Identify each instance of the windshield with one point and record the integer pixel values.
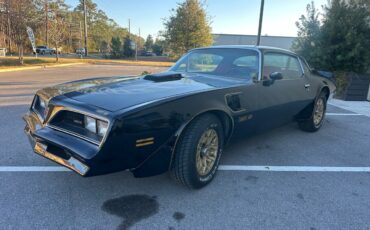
(227, 62)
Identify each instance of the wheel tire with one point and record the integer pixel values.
(316, 119)
(184, 167)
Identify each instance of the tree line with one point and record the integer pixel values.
(338, 42)
(58, 25)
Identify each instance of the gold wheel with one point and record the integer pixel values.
(207, 150)
(319, 112)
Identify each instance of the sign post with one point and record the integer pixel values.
(31, 36)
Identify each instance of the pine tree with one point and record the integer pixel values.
(159, 46)
(308, 42)
(128, 51)
(346, 36)
(116, 45)
(188, 28)
(149, 43)
(341, 43)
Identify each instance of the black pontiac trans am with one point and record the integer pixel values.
(177, 121)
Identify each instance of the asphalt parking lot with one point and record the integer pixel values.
(281, 179)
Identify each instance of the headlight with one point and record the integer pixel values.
(90, 124)
(102, 127)
(42, 103)
(96, 126)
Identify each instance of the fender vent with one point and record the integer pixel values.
(161, 77)
(233, 101)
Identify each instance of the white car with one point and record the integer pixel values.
(80, 51)
(45, 50)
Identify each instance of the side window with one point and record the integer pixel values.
(294, 69)
(250, 61)
(306, 68)
(245, 66)
(287, 65)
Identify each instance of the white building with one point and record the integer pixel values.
(235, 39)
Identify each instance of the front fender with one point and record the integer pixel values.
(162, 125)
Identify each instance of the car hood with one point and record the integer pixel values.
(117, 93)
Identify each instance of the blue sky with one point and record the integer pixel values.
(227, 16)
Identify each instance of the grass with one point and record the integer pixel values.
(13, 62)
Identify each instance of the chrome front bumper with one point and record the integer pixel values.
(40, 146)
(71, 163)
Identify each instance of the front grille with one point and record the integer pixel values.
(74, 123)
(69, 118)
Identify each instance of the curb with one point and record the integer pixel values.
(38, 67)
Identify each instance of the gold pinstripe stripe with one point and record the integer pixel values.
(145, 140)
(145, 144)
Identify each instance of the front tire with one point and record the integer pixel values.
(198, 152)
(316, 119)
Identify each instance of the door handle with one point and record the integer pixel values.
(307, 86)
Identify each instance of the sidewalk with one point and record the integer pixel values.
(360, 107)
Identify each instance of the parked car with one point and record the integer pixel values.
(45, 50)
(149, 54)
(2, 52)
(179, 120)
(80, 51)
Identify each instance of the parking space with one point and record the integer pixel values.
(344, 141)
(237, 199)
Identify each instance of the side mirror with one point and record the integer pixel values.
(276, 76)
(272, 78)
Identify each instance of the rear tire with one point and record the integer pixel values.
(198, 152)
(316, 119)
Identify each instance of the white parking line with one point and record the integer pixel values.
(293, 168)
(33, 169)
(221, 167)
(343, 114)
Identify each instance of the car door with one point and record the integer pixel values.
(283, 91)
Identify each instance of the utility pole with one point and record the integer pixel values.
(9, 29)
(85, 26)
(70, 35)
(46, 22)
(80, 42)
(260, 23)
(129, 28)
(137, 45)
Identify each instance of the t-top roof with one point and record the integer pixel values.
(248, 47)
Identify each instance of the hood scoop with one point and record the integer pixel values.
(162, 77)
